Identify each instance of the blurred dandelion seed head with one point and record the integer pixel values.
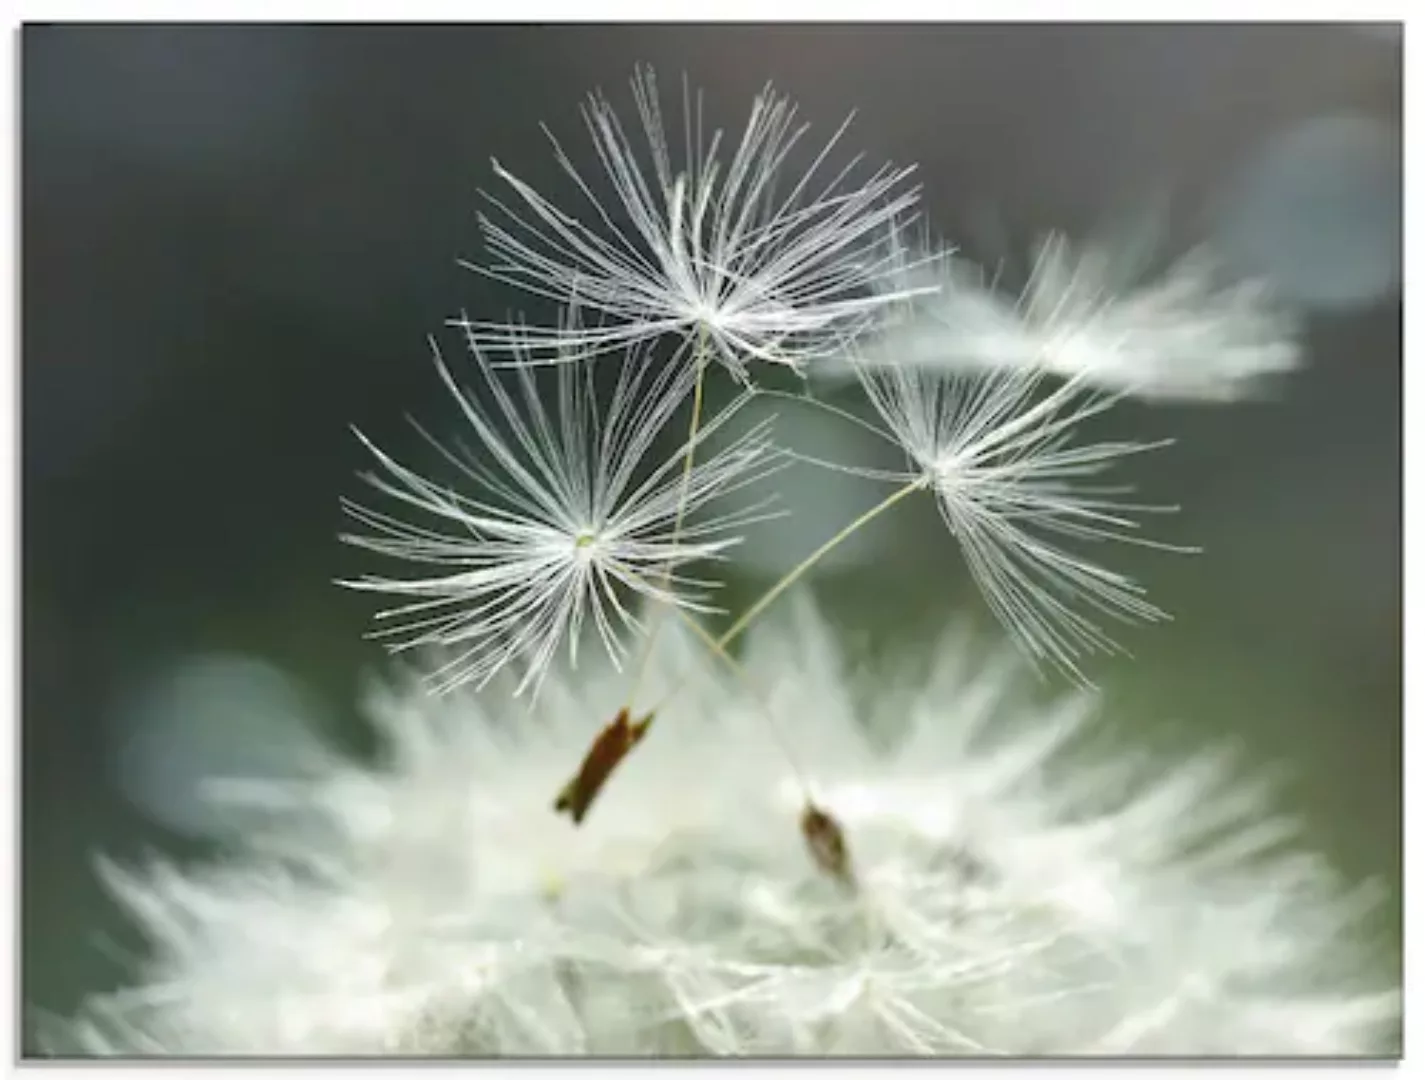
(1022, 890)
(1094, 312)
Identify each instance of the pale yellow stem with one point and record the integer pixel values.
(658, 614)
(745, 620)
(719, 645)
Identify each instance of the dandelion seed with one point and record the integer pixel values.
(1190, 334)
(826, 841)
(712, 252)
(999, 457)
(564, 521)
(1118, 906)
(609, 748)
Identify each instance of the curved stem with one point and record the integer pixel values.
(719, 645)
(811, 560)
(693, 425)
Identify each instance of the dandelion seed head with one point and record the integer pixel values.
(560, 515)
(1016, 485)
(732, 252)
(1192, 332)
(1020, 890)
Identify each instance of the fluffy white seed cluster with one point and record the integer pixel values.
(738, 255)
(1020, 888)
(1193, 332)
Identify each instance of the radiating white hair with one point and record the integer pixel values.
(566, 515)
(1019, 889)
(733, 256)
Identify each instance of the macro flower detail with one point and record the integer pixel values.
(1188, 334)
(727, 255)
(594, 821)
(564, 520)
(998, 452)
(1019, 889)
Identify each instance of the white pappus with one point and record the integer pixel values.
(1022, 889)
(562, 518)
(730, 255)
(1089, 311)
(1002, 454)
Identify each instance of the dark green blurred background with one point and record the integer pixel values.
(235, 240)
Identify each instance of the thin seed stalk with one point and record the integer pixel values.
(719, 645)
(700, 359)
(622, 734)
(795, 574)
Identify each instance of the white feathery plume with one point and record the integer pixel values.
(1189, 334)
(721, 254)
(1019, 890)
(999, 455)
(562, 522)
